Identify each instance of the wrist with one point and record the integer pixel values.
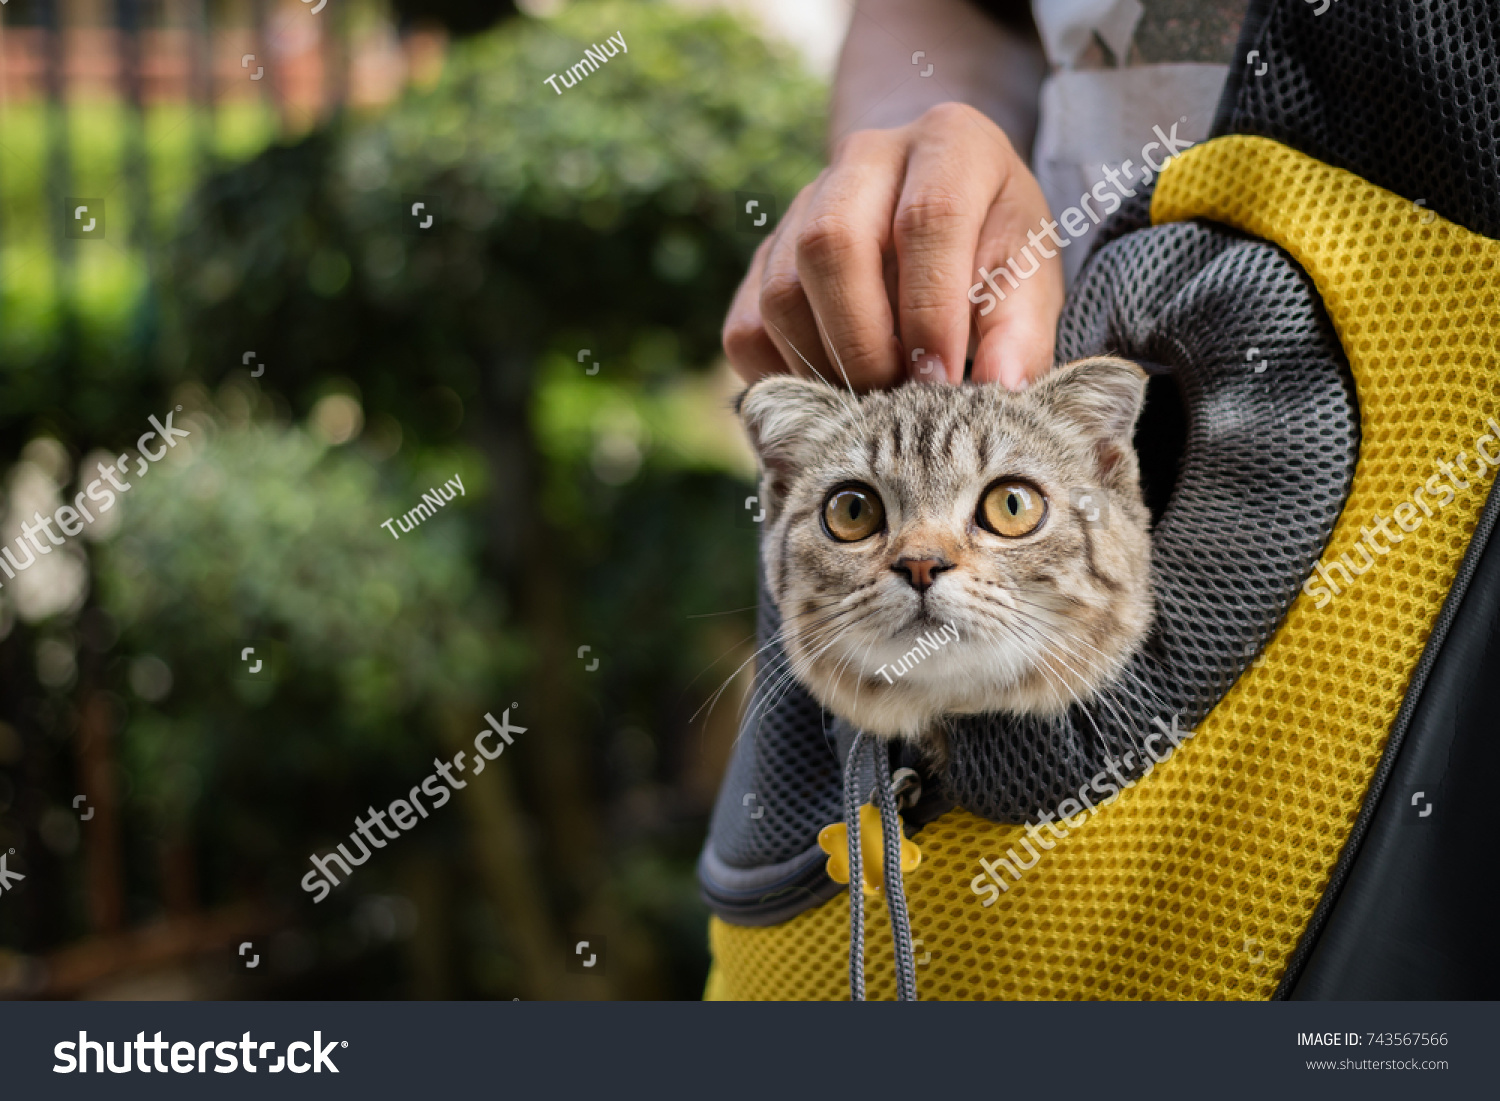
(969, 59)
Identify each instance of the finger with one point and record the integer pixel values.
(839, 254)
(750, 350)
(1020, 294)
(958, 163)
(784, 307)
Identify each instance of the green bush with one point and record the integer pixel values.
(599, 219)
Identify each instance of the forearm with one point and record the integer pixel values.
(974, 60)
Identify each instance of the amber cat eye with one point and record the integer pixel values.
(852, 513)
(1012, 508)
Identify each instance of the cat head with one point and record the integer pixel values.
(948, 549)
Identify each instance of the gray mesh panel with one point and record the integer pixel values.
(1268, 463)
(783, 760)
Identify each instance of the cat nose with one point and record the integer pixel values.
(921, 572)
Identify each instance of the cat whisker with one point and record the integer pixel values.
(713, 700)
(720, 658)
(769, 681)
(1104, 696)
(1054, 677)
(1040, 632)
(859, 680)
(784, 661)
(853, 397)
(729, 611)
(823, 332)
(788, 679)
(835, 634)
(1141, 692)
(1124, 668)
(1036, 630)
(1082, 706)
(776, 638)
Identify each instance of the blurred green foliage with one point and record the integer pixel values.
(601, 510)
(600, 218)
(375, 637)
(79, 318)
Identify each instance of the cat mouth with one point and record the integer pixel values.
(921, 619)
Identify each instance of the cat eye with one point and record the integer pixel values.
(1012, 508)
(852, 513)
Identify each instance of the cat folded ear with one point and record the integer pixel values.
(782, 415)
(1103, 396)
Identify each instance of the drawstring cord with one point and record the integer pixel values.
(895, 889)
(895, 892)
(852, 804)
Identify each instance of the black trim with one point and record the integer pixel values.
(1409, 910)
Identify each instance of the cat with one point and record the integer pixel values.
(937, 549)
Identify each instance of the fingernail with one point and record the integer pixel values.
(1013, 377)
(927, 366)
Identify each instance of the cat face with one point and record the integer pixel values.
(945, 549)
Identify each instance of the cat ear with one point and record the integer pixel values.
(781, 415)
(1103, 395)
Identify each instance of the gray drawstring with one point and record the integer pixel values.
(852, 803)
(895, 892)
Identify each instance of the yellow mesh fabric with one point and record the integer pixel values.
(1198, 882)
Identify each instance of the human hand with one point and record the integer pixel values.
(882, 249)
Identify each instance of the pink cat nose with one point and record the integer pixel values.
(921, 572)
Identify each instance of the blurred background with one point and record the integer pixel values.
(551, 337)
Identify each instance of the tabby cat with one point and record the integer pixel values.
(941, 549)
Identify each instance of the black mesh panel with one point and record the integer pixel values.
(1404, 93)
